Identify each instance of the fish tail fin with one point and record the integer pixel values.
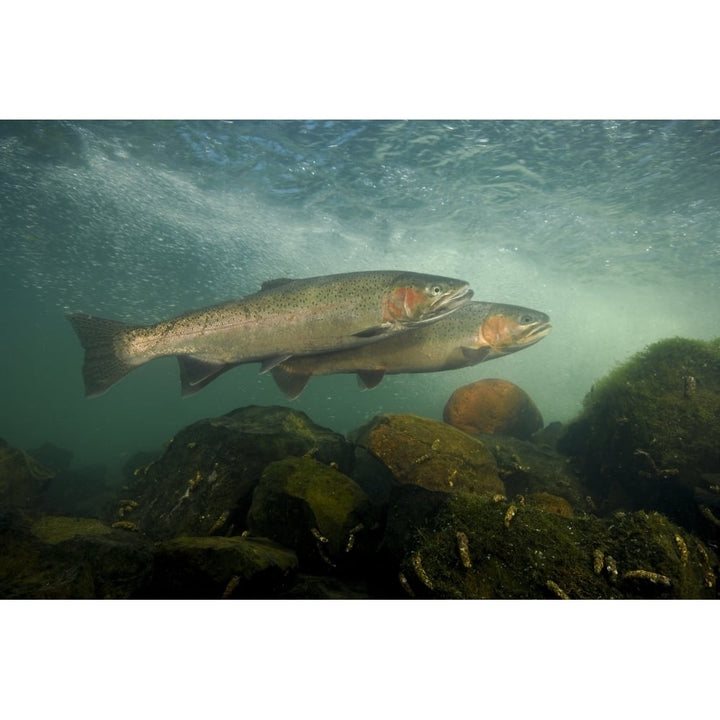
(102, 366)
(290, 383)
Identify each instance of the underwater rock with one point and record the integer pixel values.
(493, 407)
(475, 547)
(221, 567)
(52, 456)
(80, 492)
(22, 478)
(72, 558)
(550, 503)
(648, 434)
(430, 454)
(203, 483)
(527, 467)
(314, 509)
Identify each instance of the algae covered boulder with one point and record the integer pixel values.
(203, 483)
(648, 434)
(528, 468)
(314, 509)
(494, 407)
(22, 477)
(221, 567)
(475, 547)
(71, 558)
(430, 454)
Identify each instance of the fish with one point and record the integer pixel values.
(476, 332)
(285, 318)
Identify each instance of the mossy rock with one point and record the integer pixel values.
(73, 558)
(475, 547)
(203, 483)
(313, 508)
(221, 567)
(22, 478)
(528, 467)
(647, 436)
(431, 454)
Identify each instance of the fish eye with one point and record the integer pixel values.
(526, 319)
(435, 290)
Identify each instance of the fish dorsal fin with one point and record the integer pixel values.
(269, 363)
(277, 282)
(196, 374)
(475, 355)
(291, 384)
(368, 379)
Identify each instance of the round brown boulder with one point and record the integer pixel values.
(493, 407)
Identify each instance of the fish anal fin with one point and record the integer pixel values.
(290, 383)
(196, 374)
(368, 379)
(269, 363)
(476, 355)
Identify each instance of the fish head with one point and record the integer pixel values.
(509, 328)
(414, 299)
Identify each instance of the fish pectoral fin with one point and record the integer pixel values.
(269, 363)
(374, 331)
(475, 355)
(368, 379)
(196, 374)
(290, 383)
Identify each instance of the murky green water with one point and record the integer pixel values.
(613, 228)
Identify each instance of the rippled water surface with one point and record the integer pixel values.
(613, 228)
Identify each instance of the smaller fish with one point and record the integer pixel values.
(474, 333)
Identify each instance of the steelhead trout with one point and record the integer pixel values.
(285, 318)
(477, 332)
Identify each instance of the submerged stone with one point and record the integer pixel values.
(474, 547)
(221, 567)
(314, 509)
(430, 454)
(22, 477)
(72, 558)
(203, 483)
(528, 467)
(493, 407)
(648, 434)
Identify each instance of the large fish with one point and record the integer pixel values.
(476, 332)
(285, 318)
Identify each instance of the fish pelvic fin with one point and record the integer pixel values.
(196, 374)
(368, 379)
(475, 355)
(102, 367)
(292, 384)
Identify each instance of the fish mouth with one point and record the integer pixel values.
(445, 304)
(533, 335)
(537, 333)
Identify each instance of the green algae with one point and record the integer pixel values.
(517, 551)
(57, 529)
(297, 496)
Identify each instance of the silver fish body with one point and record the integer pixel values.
(284, 319)
(476, 332)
